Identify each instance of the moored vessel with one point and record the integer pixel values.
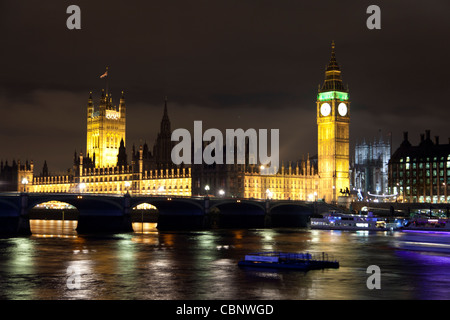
(342, 221)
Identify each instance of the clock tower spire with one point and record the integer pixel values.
(333, 124)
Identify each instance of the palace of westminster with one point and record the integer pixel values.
(106, 168)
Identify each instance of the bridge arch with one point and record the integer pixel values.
(11, 220)
(167, 203)
(175, 213)
(237, 203)
(9, 207)
(82, 202)
(290, 215)
(54, 210)
(97, 213)
(142, 214)
(236, 213)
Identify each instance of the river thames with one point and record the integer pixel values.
(55, 263)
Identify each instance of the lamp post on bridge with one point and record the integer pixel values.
(24, 183)
(269, 194)
(161, 190)
(127, 186)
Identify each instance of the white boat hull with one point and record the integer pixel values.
(350, 228)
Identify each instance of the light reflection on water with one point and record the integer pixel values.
(149, 264)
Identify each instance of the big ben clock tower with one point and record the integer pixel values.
(333, 122)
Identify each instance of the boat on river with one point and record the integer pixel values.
(428, 224)
(293, 261)
(425, 241)
(354, 222)
(426, 234)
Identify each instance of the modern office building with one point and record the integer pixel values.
(421, 173)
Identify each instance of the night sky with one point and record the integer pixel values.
(232, 64)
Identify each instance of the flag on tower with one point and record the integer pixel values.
(105, 74)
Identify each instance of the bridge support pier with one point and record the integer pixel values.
(104, 224)
(267, 215)
(290, 216)
(106, 221)
(16, 222)
(23, 227)
(15, 226)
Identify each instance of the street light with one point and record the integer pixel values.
(82, 187)
(221, 192)
(206, 189)
(269, 194)
(24, 182)
(127, 185)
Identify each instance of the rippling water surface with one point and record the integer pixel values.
(56, 263)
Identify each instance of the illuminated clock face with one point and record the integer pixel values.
(325, 109)
(342, 109)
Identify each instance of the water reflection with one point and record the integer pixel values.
(144, 227)
(54, 228)
(148, 264)
(431, 276)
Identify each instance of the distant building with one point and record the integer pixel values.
(421, 173)
(15, 177)
(369, 168)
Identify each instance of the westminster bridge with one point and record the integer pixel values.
(100, 213)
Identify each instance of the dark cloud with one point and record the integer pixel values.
(229, 63)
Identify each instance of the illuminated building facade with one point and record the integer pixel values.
(421, 173)
(105, 130)
(105, 167)
(333, 121)
(369, 170)
(299, 182)
(322, 178)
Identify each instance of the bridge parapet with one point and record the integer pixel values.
(111, 213)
